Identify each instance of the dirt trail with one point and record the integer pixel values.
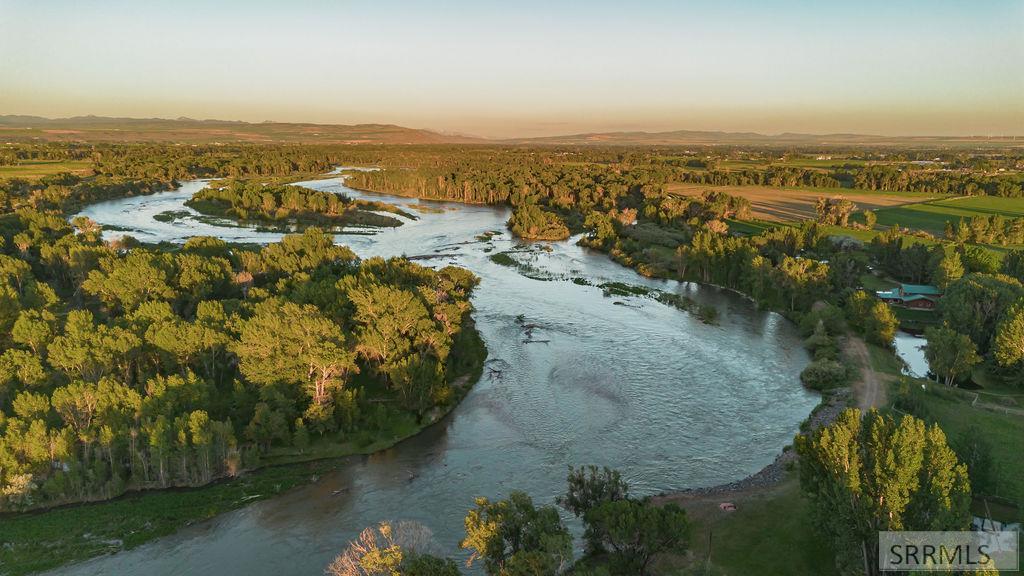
(868, 389)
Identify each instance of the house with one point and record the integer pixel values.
(919, 296)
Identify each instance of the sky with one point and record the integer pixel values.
(527, 68)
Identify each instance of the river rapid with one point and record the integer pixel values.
(620, 381)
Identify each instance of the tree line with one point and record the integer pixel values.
(254, 200)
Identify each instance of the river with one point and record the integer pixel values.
(625, 382)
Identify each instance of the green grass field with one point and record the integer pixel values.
(815, 163)
(35, 169)
(932, 216)
(953, 412)
(769, 534)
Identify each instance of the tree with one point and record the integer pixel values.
(293, 344)
(870, 219)
(945, 265)
(865, 475)
(1013, 265)
(949, 353)
(976, 303)
(834, 211)
(383, 550)
(512, 532)
(635, 531)
(589, 487)
(301, 252)
(90, 351)
(34, 329)
(1008, 350)
(824, 374)
(427, 565)
(126, 282)
(978, 259)
(534, 223)
(805, 281)
(874, 318)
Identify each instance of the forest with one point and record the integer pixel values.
(140, 368)
(129, 366)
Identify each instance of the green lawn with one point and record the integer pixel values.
(35, 169)
(873, 283)
(768, 534)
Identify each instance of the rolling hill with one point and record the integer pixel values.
(191, 131)
(188, 130)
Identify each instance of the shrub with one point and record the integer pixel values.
(824, 375)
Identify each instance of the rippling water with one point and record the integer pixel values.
(624, 382)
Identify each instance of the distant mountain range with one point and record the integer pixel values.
(191, 131)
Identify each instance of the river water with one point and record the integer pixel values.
(625, 382)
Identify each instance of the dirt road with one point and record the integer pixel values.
(868, 388)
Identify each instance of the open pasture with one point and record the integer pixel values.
(932, 216)
(793, 204)
(35, 169)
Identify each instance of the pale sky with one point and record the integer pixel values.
(526, 68)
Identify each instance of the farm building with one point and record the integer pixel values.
(912, 296)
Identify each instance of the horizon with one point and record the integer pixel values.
(499, 140)
(908, 69)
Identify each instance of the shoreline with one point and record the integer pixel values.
(832, 404)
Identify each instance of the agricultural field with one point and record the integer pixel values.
(792, 204)
(36, 169)
(932, 215)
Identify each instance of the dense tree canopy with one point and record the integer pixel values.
(147, 367)
(877, 473)
(288, 204)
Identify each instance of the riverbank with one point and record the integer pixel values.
(50, 538)
(832, 404)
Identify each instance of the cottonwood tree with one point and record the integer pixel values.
(976, 303)
(950, 354)
(1008, 350)
(946, 266)
(874, 318)
(876, 473)
(125, 282)
(293, 344)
